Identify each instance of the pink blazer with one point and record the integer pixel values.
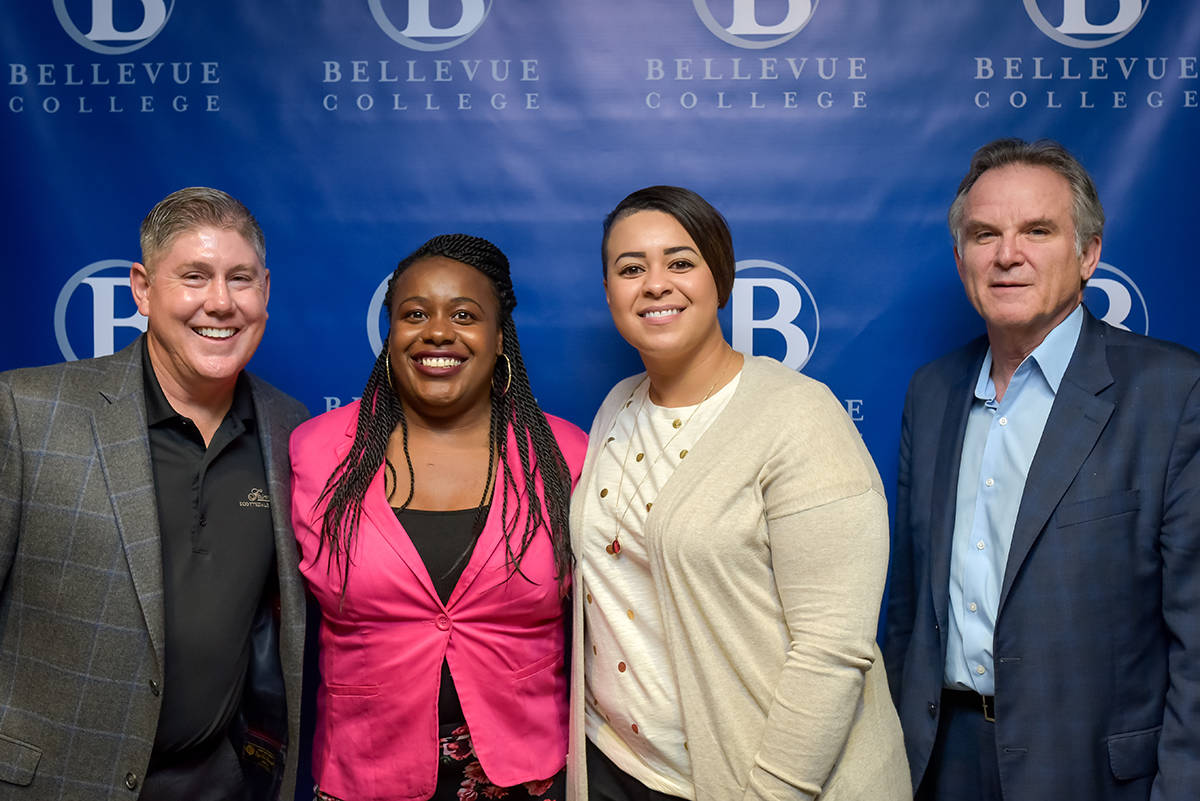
(382, 648)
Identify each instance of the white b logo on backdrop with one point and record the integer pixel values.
(108, 281)
(1118, 307)
(421, 26)
(746, 21)
(794, 316)
(106, 28)
(374, 327)
(1079, 29)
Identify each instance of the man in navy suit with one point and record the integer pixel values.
(1043, 628)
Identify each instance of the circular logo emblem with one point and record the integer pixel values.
(377, 321)
(757, 24)
(772, 312)
(123, 32)
(1081, 21)
(426, 30)
(1112, 296)
(112, 307)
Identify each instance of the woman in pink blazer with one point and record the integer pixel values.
(432, 520)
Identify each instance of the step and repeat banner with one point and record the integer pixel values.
(831, 133)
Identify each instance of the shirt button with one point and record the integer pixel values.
(203, 521)
(989, 482)
(154, 690)
(980, 669)
(972, 606)
(932, 709)
(442, 622)
(1003, 421)
(131, 781)
(979, 545)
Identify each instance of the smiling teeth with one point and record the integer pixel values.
(216, 333)
(441, 361)
(661, 313)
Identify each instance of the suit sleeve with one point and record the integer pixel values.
(829, 561)
(902, 581)
(10, 481)
(1179, 743)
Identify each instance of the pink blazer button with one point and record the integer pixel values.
(442, 622)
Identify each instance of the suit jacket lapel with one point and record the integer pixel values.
(493, 529)
(272, 437)
(1076, 421)
(945, 481)
(379, 514)
(271, 432)
(123, 446)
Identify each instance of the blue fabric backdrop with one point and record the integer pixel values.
(832, 134)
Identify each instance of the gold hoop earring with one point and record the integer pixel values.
(508, 381)
(387, 366)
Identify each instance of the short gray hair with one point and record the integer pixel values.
(194, 207)
(1086, 211)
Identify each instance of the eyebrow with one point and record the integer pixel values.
(200, 264)
(423, 299)
(1044, 222)
(641, 254)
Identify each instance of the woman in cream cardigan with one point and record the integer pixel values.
(730, 531)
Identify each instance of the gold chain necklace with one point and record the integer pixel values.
(614, 547)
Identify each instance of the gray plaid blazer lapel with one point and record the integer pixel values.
(273, 440)
(123, 448)
(1077, 418)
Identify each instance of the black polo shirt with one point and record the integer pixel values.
(218, 549)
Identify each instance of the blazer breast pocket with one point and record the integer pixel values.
(18, 761)
(1093, 509)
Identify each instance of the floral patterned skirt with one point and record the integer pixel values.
(461, 778)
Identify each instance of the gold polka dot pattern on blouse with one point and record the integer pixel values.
(629, 613)
(594, 651)
(640, 456)
(621, 667)
(648, 506)
(604, 492)
(589, 597)
(635, 728)
(683, 453)
(676, 423)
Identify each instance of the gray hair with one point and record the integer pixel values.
(1086, 211)
(194, 207)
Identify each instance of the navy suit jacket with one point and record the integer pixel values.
(1097, 638)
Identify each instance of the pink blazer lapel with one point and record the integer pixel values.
(379, 518)
(492, 536)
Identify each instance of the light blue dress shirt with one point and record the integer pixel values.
(998, 447)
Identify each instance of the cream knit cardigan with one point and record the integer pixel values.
(768, 548)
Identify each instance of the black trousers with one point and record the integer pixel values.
(607, 782)
(963, 765)
(212, 776)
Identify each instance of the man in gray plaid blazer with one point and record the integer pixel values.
(1043, 626)
(151, 612)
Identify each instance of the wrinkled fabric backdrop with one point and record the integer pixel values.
(831, 133)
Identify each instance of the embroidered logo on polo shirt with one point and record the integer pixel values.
(256, 498)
